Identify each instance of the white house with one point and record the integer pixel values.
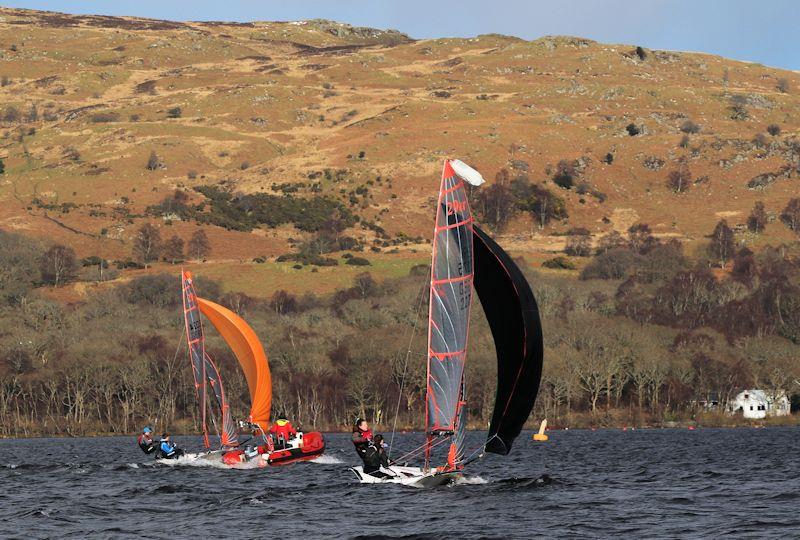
(760, 404)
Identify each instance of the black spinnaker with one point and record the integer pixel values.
(513, 316)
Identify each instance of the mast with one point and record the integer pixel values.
(448, 313)
(196, 340)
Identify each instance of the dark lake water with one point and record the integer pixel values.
(644, 483)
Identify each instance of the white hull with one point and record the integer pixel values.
(407, 476)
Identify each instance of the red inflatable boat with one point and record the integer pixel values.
(303, 447)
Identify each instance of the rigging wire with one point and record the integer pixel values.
(421, 296)
(420, 449)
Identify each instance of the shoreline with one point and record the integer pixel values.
(677, 425)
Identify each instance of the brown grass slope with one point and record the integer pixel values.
(268, 103)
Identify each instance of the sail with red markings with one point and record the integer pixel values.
(449, 309)
(197, 347)
(465, 259)
(227, 431)
(204, 370)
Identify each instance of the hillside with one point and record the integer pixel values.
(363, 117)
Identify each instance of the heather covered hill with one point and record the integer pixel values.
(103, 118)
(651, 198)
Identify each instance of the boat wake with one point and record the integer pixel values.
(200, 461)
(515, 483)
(326, 460)
(470, 481)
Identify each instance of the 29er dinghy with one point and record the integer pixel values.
(250, 354)
(463, 257)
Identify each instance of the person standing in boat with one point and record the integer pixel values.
(168, 449)
(146, 442)
(281, 431)
(375, 457)
(362, 437)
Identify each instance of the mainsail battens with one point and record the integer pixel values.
(450, 301)
(196, 341)
(513, 317)
(250, 354)
(227, 432)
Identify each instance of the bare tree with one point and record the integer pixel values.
(58, 265)
(680, 180)
(722, 242)
(791, 215)
(496, 203)
(147, 244)
(173, 249)
(199, 246)
(757, 221)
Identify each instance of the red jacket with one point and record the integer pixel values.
(283, 428)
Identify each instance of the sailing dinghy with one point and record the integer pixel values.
(249, 352)
(466, 258)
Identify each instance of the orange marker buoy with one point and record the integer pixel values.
(541, 437)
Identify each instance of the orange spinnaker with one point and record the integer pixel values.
(251, 356)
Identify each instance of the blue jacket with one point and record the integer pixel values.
(167, 448)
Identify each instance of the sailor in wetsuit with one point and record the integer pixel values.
(168, 450)
(146, 442)
(375, 457)
(281, 431)
(362, 436)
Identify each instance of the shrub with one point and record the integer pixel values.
(358, 261)
(738, 108)
(244, 165)
(680, 180)
(633, 129)
(559, 263)
(419, 270)
(153, 162)
(774, 130)
(155, 290)
(11, 114)
(579, 245)
(245, 212)
(613, 264)
(783, 86)
(94, 260)
(690, 127)
(104, 117)
(609, 158)
(146, 87)
(564, 176)
(760, 141)
(174, 112)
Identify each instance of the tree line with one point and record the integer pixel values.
(647, 335)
